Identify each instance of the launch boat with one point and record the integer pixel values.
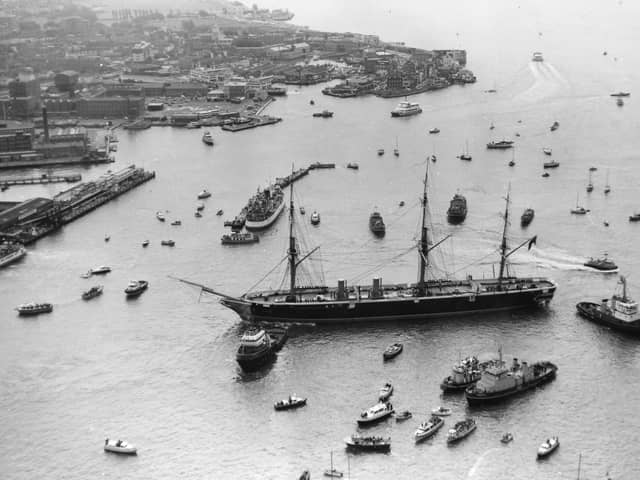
(377, 302)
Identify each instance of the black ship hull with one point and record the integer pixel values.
(477, 398)
(591, 311)
(251, 363)
(256, 308)
(456, 387)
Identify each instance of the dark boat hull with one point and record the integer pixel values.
(476, 398)
(373, 310)
(253, 362)
(591, 311)
(456, 387)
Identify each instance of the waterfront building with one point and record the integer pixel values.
(141, 52)
(66, 81)
(235, 89)
(15, 138)
(114, 107)
(210, 75)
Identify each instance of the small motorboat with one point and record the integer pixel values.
(546, 174)
(323, 114)
(100, 270)
(204, 194)
(548, 447)
(220, 212)
(554, 127)
(160, 216)
(168, 243)
(619, 94)
(434, 159)
(392, 351)
(385, 392)
(635, 217)
(601, 264)
(401, 204)
(92, 292)
(579, 210)
(305, 475)
(428, 429)
(376, 413)
(290, 403)
(381, 151)
(512, 163)
(302, 211)
(619, 102)
(441, 412)
(34, 308)
(593, 169)
(404, 415)
(200, 206)
(136, 287)
(527, 217)
(353, 166)
(434, 130)
(176, 223)
(107, 238)
(507, 437)
(197, 214)
(120, 447)
(315, 218)
(207, 138)
(396, 152)
(552, 164)
(311, 102)
(145, 243)
(547, 151)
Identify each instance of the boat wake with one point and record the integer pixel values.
(548, 82)
(479, 461)
(556, 260)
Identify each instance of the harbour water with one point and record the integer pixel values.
(159, 371)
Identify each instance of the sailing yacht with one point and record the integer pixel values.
(426, 298)
(579, 210)
(465, 155)
(607, 187)
(333, 472)
(396, 152)
(590, 184)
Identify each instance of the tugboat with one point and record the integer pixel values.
(428, 428)
(501, 145)
(27, 309)
(460, 430)
(136, 287)
(373, 444)
(392, 351)
(457, 209)
(385, 392)
(619, 312)
(376, 224)
(601, 264)
(527, 217)
(464, 374)
(237, 238)
(258, 347)
(499, 382)
(548, 447)
(290, 403)
(207, 138)
(376, 413)
(92, 292)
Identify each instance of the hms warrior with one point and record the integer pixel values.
(378, 302)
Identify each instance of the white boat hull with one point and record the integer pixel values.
(124, 450)
(267, 221)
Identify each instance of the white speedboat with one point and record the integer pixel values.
(548, 447)
(385, 392)
(441, 411)
(120, 447)
(315, 218)
(428, 428)
(160, 216)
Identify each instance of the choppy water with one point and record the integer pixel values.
(160, 370)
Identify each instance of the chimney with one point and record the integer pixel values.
(45, 123)
(342, 287)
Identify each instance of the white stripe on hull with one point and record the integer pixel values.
(265, 223)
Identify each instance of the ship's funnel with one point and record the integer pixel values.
(342, 289)
(45, 123)
(376, 292)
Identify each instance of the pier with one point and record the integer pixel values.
(29, 224)
(40, 180)
(253, 123)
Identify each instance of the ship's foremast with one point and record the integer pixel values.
(293, 252)
(503, 245)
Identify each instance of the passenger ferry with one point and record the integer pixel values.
(406, 109)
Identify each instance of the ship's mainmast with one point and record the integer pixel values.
(503, 246)
(424, 243)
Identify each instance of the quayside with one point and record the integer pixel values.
(423, 299)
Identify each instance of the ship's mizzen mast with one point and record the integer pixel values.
(424, 244)
(293, 253)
